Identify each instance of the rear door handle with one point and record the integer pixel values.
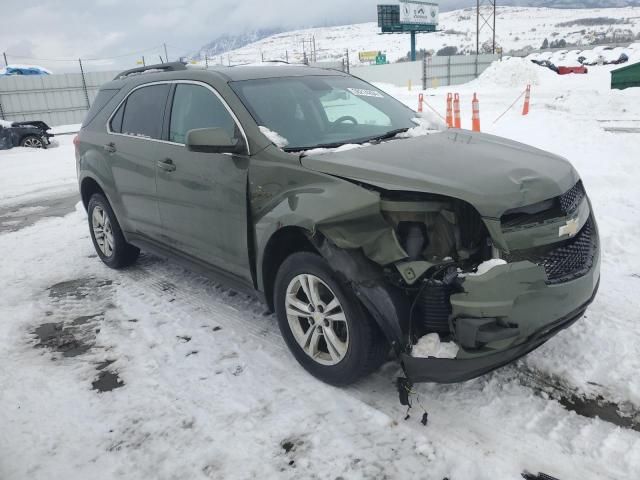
(167, 165)
(110, 147)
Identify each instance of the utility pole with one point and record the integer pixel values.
(486, 21)
(286, 55)
(166, 55)
(315, 52)
(348, 66)
(6, 63)
(206, 61)
(84, 85)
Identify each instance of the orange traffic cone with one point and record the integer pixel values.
(527, 99)
(475, 119)
(420, 100)
(449, 110)
(456, 111)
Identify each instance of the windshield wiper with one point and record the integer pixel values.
(385, 136)
(320, 145)
(356, 141)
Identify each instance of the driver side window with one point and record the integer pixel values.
(195, 106)
(342, 104)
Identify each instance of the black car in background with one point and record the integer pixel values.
(32, 134)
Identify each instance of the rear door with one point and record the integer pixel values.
(202, 196)
(134, 147)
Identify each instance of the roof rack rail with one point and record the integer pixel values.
(167, 67)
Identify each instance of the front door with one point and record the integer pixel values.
(202, 196)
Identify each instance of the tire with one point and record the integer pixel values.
(107, 237)
(31, 141)
(359, 347)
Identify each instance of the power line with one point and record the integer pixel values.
(96, 59)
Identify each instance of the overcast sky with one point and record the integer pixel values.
(62, 29)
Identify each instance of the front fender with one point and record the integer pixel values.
(284, 194)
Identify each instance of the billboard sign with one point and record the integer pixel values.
(369, 56)
(415, 12)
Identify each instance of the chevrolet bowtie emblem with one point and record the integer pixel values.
(570, 228)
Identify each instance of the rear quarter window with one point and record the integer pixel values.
(143, 112)
(101, 100)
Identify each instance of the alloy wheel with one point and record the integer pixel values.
(102, 230)
(316, 319)
(32, 142)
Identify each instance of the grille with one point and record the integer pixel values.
(571, 200)
(561, 206)
(563, 261)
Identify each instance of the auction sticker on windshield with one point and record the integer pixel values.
(363, 92)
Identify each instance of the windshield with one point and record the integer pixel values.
(323, 111)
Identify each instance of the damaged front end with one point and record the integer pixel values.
(493, 288)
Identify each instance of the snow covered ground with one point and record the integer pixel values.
(155, 372)
(517, 28)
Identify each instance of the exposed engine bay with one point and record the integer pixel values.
(443, 238)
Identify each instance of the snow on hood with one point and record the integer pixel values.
(277, 139)
(426, 124)
(5, 124)
(342, 148)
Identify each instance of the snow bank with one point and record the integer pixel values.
(512, 72)
(431, 346)
(275, 137)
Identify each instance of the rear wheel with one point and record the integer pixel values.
(31, 141)
(108, 240)
(323, 324)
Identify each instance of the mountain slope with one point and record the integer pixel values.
(517, 28)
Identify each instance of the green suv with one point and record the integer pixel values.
(363, 228)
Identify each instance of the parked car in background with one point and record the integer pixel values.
(32, 134)
(23, 70)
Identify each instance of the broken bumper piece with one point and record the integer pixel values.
(503, 315)
(459, 370)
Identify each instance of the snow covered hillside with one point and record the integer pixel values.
(517, 28)
(156, 372)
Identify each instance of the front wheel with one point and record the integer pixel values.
(32, 141)
(323, 323)
(108, 240)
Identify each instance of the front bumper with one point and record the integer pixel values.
(459, 370)
(519, 297)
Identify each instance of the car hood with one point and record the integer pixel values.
(491, 173)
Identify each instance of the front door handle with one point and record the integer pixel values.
(167, 165)
(110, 147)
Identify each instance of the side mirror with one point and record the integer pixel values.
(212, 140)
